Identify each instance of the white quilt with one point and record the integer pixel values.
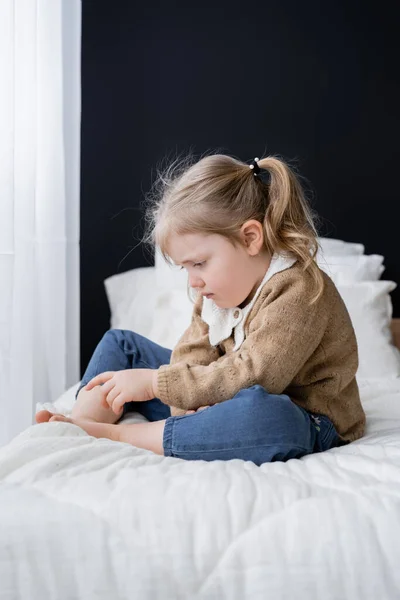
(87, 518)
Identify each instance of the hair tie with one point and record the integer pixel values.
(254, 165)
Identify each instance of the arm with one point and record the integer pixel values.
(282, 336)
(193, 348)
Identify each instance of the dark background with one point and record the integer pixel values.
(313, 82)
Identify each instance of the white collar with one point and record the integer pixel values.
(222, 321)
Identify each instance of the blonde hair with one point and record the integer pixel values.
(218, 193)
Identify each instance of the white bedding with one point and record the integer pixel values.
(87, 518)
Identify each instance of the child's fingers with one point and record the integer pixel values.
(118, 404)
(111, 391)
(99, 379)
(191, 412)
(104, 402)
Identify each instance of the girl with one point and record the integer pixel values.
(266, 369)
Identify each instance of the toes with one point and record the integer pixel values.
(60, 418)
(43, 416)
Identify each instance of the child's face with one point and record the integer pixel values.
(216, 267)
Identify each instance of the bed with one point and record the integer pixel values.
(91, 518)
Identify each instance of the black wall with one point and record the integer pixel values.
(317, 82)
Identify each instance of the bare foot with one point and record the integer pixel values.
(89, 406)
(43, 416)
(92, 427)
(141, 435)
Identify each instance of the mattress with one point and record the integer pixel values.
(82, 517)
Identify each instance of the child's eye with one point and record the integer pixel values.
(195, 265)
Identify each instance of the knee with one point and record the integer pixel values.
(114, 334)
(259, 396)
(111, 334)
(253, 406)
(260, 400)
(111, 338)
(262, 411)
(119, 336)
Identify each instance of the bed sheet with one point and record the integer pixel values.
(82, 517)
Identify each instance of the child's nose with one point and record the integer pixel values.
(195, 281)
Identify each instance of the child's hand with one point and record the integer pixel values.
(189, 412)
(129, 385)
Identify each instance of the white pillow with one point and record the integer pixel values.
(172, 316)
(370, 309)
(339, 247)
(138, 303)
(132, 297)
(348, 268)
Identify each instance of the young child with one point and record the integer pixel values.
(266, 369)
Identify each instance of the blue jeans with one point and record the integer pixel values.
(253, 425)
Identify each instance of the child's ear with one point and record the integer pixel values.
(253, 236)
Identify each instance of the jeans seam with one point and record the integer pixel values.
(169, 428)
(290, 446)
(135, 354)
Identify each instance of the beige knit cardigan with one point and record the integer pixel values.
(308, 352)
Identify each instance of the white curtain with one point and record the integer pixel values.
(40, 44)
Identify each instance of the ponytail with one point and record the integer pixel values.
(288, 222)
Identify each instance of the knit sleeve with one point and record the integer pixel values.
(193, 347)
(282, 336)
